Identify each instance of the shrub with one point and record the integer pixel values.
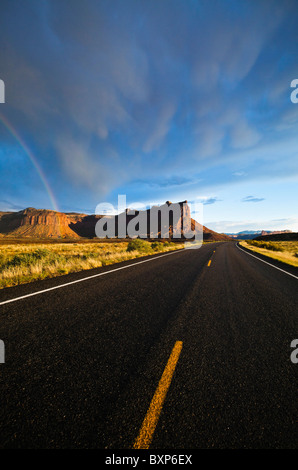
(266, 245)
(168, 244)
(139, 245)
(157, 246)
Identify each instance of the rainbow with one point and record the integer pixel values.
(33, 160)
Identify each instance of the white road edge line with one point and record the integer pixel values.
(272, 265)
(87, 278)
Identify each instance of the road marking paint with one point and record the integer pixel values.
(87, 278)
(209, 262)
(266, 262)
(145, 436)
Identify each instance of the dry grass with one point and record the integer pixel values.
(286, 251)
(21, 263)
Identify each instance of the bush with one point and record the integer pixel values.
(168, 244)
(266, 245)
(157, 246)
(139, 245)
(27, 259)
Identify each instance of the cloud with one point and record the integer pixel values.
(172, 181)
(161, 127)
(83, 167)
(244, 136)
(9, 206)
(208, 200)
(111, 93)
(252, 199)
(235, 226)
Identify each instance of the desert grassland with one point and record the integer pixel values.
(24, 262)
(285, 251)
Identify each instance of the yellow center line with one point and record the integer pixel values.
(209, 262)
(145, 436)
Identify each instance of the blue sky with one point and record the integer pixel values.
(157, 100)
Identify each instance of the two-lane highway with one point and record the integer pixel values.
(198, 340)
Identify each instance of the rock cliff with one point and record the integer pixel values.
(47, 224)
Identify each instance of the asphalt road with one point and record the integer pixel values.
(84, 361)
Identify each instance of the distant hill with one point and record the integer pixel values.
(279, 236)
(250, 234)
(245, 235)
(51, 225)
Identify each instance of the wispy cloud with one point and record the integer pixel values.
(7, 206)
(252, 199)
(113, 93)
(208, 200)
(235, 226)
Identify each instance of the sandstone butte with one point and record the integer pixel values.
(45, 224)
